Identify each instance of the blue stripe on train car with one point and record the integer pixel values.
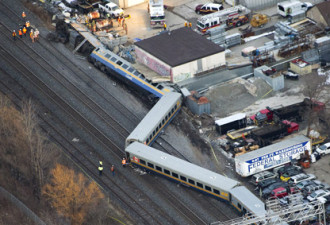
(129, 77)
(178, 181)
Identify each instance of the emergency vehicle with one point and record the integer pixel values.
(233, 17)
(157, 14)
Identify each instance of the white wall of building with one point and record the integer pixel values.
(188, 70)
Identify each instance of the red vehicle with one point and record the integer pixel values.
(281, 192)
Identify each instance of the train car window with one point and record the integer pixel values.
(136, 73)
(163, 121)
(124, 66)
(148, 80)
(199, 185)
(183, 178)
(130, 69)
(191, 181)
(142, 162)
(153, 133)
(159, 126)
(160, 87)
(216, 191)
(166, 117)
(119, 62)
(157, 129)
(151, 165)
(175, 106)
(239, 205)
(169, 114)
(148, 140)
(154, 84)
(175, 175)
(167, 171)
(208, 188)
(159, 168)
(113, 59)
(150, 137)
(244, 210)
(172, 111)
(108, 56)
(142, 76)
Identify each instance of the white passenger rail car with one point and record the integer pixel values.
(156, 119)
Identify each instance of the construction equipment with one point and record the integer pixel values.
(259, 20)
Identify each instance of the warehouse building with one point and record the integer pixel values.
(320, 13)
(180, 54)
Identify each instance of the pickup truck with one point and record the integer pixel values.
(112, 9)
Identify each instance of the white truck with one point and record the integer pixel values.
(157, 14)
(112, 9)
(272, 156)
(290, 7)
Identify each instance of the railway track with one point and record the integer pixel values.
(46, 90)
(194, 219)
(112, 188)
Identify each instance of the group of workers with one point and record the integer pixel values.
(34, 34)
(186, 24)
(112, 168)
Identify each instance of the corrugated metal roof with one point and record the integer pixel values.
(179, 46)
(154, 116)
(181, 166)
(249, 200)
(272, 148)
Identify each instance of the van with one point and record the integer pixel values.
(208, 8)
(256, 178)
(291, 7)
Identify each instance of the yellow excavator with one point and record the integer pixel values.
(259, 20)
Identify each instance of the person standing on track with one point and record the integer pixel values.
(100, 168)
(32, 35)
(23, 15)
(14, 35)
(123, 162)
(112, 169)
(36, 35)
(20, 33)
(24, 31)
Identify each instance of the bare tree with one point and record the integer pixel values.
(315, 89)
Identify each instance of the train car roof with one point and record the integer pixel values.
(178, 165)
(151, 120)
(251, 202)
(272, 148)
(109, 54)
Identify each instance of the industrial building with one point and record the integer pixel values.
(180, 54)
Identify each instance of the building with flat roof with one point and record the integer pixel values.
(180, 54)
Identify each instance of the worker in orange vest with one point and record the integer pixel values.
(20, 33)
(23, 15)
(27, 24)
(24, 31)
(190, 25)
(123, 162)
(185, 23)
(164, 26)
(32, 35)
(14, 35)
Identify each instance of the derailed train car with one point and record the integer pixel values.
(156, 119)
(196, 177)
(113, 65)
